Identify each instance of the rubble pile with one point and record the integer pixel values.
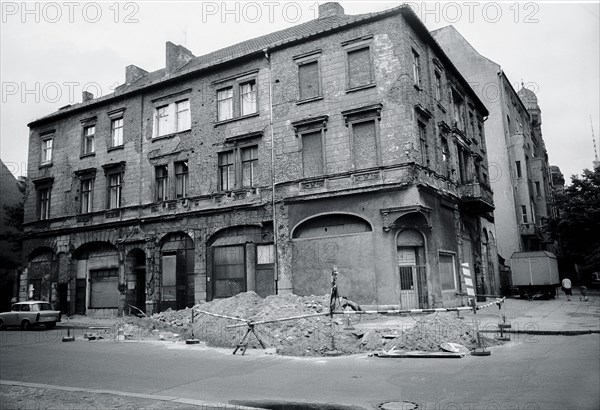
(430, 331)
(309, 336)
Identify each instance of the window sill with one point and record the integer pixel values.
(243, 117)
(167, 136)
(360, 87)
(441, 107)
(45, 165)
(91, 154)
(118, 147)
(308, 100)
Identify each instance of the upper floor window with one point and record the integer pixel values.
(115, 182)
(423, 144)
(182, 118)
(181, 179)
(44, 202)
(518, 168)
(249, 163)
(226, 171)
(458, 111)
(47, 150)
(237, 96)
(88, 143)
(172, 118)
(311, 137)
(116, 132)
(524, 214)
(162, 183)
(225, 104)
(87, 188)
(438, 86)
(359, 66)
(248, 97)
(309, 79)
(416, 68)
(363, 124)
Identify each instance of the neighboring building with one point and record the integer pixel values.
(161, 194)
(11, 211)
(519, 170)
(558, 179)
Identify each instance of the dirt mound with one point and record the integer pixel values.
(308, 336)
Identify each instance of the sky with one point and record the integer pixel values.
(51, 52)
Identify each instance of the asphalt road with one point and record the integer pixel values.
(532, 372)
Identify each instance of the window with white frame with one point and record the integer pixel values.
(47, 150)
(249, 164)
(225, 104)
(172, 118)
(226, 171)
(88, 142)
(183, 118)
(248, 97)
(116, 132)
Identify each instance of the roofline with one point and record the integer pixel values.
(403, 9)
(502, 74)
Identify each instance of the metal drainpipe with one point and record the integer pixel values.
(275, 247)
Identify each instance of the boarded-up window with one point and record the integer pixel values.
(265, 254)
(105, 289)
(308, 76)
(359, 67)
(447, 273)
(331, 225)
(312, 154)
(229, 271)
(364, 146)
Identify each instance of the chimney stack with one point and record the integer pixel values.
(330, 9)
(177, 56)
(86, 96)
(133, 72)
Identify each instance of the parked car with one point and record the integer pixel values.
(30, 313)
(595, 279)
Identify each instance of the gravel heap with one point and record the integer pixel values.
(311, 336)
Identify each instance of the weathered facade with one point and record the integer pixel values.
(348, 140)
(519, 170)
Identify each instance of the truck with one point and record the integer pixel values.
(534, 273)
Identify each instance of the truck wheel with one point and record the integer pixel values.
(26, 325)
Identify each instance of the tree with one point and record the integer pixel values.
(577, 225)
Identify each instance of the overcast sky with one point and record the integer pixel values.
(50, 52)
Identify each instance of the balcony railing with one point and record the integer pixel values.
(479, 193)
(529, 229)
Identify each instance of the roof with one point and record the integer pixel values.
(258, 45)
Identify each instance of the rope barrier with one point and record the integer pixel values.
(262, 322)
(223, 316)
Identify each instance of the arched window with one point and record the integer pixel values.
(331, 225)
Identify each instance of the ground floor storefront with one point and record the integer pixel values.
(403, 248)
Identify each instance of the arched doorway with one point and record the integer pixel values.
(135, 271)
(335, 239)
(241, 258)
(410, 251)
(97, 278)
(177, 271)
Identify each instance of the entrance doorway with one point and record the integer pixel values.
(411, 269)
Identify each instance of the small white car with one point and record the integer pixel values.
(30, 313)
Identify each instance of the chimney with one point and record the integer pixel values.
(330, 9)
(133, 72)
(177, 56)
(86, 96)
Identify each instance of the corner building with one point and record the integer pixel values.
(349, 140)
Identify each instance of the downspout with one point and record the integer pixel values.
(274, 211)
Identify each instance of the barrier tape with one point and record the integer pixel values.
(222, 316)
(261, 322)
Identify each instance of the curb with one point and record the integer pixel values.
(173, 399)
(546, 332)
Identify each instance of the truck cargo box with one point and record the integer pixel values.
(538, 268)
